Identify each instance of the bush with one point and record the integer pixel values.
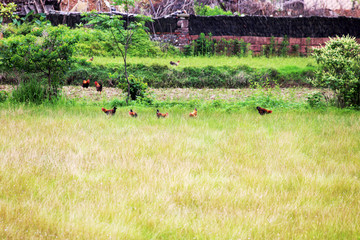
(315, 100)
(339, 69)
(29, 92)
(3, 96)
(137, 87)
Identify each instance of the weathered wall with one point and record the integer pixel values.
(297, 27)
(256, 30)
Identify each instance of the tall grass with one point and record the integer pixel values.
(73, 173)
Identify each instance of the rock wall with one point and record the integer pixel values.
(261, 26)
(257, 30)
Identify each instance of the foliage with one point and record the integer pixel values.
(138, 87)
(207, 46)
(205, 10)
(32, 91)
(49, 55)
(315, 100)
(122, 32)
(163, 76)
(340, 69)
(7, 12)
(3, 96)
(275, 48)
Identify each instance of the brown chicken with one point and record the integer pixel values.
(90, 59)
(109, 111)
(159, 114)
(86, 83)
(98, 86)
(194, 113)
(174, 63)
(132, 113)
(263, 111)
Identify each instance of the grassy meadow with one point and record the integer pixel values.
(290, 64)
(74, 173)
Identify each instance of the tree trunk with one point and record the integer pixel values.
(126, 76)
(222, 5)
(49, 83)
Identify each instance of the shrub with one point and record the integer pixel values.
(339, 69)
(315, 100)
(3, 96)
(29, 92)
(137, 87)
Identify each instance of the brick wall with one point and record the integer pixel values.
(257, 30)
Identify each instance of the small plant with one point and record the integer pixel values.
(284, 47)
(138, 87)
(3, 96)
(295, 49)
(270, 49)
(188, 50)
(315, 100)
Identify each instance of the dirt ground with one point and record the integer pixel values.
(182, 94)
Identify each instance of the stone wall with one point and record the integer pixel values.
(260, 26)
(256, 30)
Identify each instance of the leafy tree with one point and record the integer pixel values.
(122, 31)
(339, 69)
(7, 12)
(49, 55)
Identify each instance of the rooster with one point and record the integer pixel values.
(109, 111)
(98, 86)
(263, 111)
(132, 113)
(174, 63)
(90, 59)
(159, 114)
(86, 83)
(194, 113)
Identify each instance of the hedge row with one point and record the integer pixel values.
(161, 76)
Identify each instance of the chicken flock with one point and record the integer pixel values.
(86, 83)
(262, 111)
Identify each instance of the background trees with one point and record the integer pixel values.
(47, 56)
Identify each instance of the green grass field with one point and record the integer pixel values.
(289, 64)
(73, 173)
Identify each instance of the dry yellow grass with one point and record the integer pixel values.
(73, 173)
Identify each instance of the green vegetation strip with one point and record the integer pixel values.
(199, 72)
